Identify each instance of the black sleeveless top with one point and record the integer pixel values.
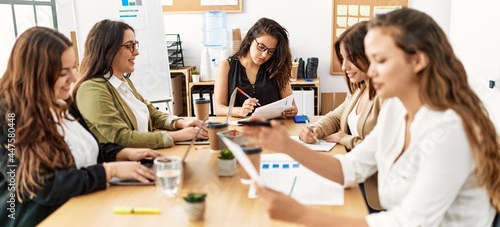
(265, 89)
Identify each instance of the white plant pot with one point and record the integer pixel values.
(194, 211)
(226, 167)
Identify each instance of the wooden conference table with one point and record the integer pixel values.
(227, 203)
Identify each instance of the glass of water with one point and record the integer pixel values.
(168, 170)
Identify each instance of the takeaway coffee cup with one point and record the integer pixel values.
(201, 108)
(213, 129)
(253, 154)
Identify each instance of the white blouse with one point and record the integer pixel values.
(139, 109)
(352, 120)
(432, 183)
(81, 143)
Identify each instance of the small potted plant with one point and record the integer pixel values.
(195, 76)
(226, 164)
(194, 205)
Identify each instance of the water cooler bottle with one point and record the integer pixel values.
(215, 41)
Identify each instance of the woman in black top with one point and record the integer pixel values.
(261, 68)
(47, 154)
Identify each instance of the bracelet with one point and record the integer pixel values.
(107, 170)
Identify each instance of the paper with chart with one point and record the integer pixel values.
(274, 109)
(278, 171)
(321, 146)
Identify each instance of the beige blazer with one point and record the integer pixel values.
(336, 120)
(111, 120)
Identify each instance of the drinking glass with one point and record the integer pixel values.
(168, 171)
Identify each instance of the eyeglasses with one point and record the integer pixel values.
(262, 48)
(132, 46)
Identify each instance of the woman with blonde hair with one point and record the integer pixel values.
(436, 151)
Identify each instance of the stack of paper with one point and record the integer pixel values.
(279, 171)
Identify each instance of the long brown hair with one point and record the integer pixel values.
(103, 43)
(280, 63)
(446, 87)
(27, 90)
(353, 40)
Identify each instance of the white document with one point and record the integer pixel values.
(321, 146)
(274, 110)
(242, 159)
(279, 171)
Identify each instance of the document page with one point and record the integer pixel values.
(274, 110)
(321, 146)
(282, 173)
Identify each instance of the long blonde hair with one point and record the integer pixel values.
(446, 87)
(27, 91)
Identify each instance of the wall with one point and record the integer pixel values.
(475, 38)
(308, 23)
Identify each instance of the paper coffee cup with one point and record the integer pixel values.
(213, 129)
(201, 108)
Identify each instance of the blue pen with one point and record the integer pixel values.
(310, 129)
(286, 102)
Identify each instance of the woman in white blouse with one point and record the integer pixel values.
(434, 147)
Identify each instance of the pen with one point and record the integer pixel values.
(136, 210)
(245, 94)
(203, 147)
(293, 185)
(310, 129)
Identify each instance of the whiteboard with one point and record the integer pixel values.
(152, 74)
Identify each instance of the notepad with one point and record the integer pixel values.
(278, 171)
(321, 146)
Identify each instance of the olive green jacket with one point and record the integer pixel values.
(111, 120)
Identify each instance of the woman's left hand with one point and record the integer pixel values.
(335, 137)
(136, 154)
(290, 112)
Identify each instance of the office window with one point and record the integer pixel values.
(19, 15)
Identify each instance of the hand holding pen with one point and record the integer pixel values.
(246, 95)
(308, 133)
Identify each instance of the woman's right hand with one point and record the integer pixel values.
(280, 206)
(188, 133)
(129, 170)
(309, 134)
(275, 138)
(247, 107)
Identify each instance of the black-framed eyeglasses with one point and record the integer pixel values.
(132, 46)
(262, 48)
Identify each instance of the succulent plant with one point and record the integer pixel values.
(226, 154)
(195, 197)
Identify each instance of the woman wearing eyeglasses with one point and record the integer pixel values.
(107, 98)
(261, 68)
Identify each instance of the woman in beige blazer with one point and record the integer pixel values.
(350, 122)
(112, 107)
